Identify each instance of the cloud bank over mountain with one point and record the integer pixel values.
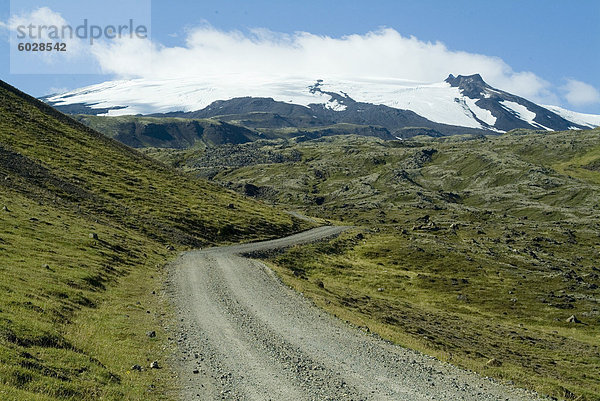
(380, 54)
(384, 53)
(579, 93)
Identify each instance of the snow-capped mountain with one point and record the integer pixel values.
(462, 101)
(503, 111)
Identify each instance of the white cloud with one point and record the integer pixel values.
(378, 54)
(60, 89)
(42, 18)
(128, 58)
(44, 25)
(381, 54)
(579, 93)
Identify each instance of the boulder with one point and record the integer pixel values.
(573, 319)
(494, 363)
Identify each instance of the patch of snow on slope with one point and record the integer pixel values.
(334, 105)
(538, 125)
(435, 102)
(519, 110)
(587, 120)
(483, 114)
(523, 113)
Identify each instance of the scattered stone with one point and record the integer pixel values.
(573, 319)
(567, 394)
(423, 219)
(170, 248)
(93, 236)
(46, 266)
(154, 365)
(136, 367)
(151, 334)
(231, 206)
(494, 363)
(430, 226)
(4, 208)
(380, 289)
(462, 297)
(320, 284)
(195, 371)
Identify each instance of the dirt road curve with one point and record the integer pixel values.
(245, 336)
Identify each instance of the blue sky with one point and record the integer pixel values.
(558, 41)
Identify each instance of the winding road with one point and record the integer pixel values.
(246, 336)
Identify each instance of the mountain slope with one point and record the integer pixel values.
(86, 226)
(139, 132)
(587, 120)
(502, 111)
(463, 101)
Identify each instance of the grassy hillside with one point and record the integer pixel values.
(199, 133)
(474, 249)
(138, 131)
(86, 227)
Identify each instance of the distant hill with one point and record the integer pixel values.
(140, 132)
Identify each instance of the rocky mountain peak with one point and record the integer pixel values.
(467, 81)
(469, 85)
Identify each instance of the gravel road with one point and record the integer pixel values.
(246, 336)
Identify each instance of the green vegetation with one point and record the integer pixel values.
(86, 227)
(473, 249)
(167, 132)
(183, 132)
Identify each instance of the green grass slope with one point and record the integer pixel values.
(182, 133)
(166, 132)
(86, 227)
(476, 250)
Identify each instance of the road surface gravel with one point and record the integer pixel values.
(243, 335)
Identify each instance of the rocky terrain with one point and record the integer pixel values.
(479, 250)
